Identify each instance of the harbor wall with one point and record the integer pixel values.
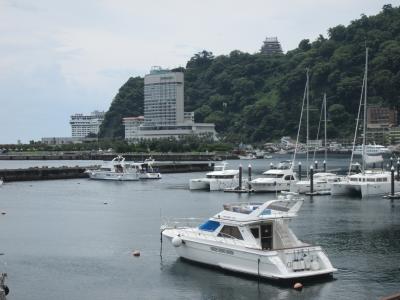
(110, 156)
(45, 173)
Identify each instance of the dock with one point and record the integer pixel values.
(64, 172)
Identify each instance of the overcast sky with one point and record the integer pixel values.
(58, 58)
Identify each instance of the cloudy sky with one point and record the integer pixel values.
(62, 57)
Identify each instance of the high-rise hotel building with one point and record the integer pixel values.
(83, 125)
(164, 114)
(163, 98)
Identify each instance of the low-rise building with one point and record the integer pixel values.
(66, 140)
(132, 125)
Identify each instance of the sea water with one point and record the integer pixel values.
(73, 239)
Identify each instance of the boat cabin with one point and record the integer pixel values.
(286, 175)
(258, 226)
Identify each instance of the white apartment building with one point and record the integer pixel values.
(164, 114)
(82, 125)
(132, 125)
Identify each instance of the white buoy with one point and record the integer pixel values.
(136, 253)
(176, 241)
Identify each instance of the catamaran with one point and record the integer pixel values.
(368, 182)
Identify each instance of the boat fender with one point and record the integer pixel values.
(6, 289)
(176, 241)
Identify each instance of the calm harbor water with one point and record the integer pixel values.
(59, 240)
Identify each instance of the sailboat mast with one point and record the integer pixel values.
(307, 110)
(326, 149)
(365, 112)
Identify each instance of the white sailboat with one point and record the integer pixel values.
(250, 238)
(368, 182)
(322, 181)
(278, 180)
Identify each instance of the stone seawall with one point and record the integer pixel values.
(45, 173)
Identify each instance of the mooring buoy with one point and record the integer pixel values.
(298, 286)
(136, 253)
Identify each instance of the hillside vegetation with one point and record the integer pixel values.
(256, 97)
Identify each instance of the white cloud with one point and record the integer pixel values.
(61, 57)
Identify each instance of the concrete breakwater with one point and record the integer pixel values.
(46, 173)
(109, 156)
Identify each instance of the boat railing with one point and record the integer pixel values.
(190, 225)
(182, 222)
(208, 235)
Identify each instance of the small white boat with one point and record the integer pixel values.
(1, 181)
(371, 150)
(117, 169)
(267, 156)
(274, 180)
(217, 180)
(149, 160)
(250, 238)
(147, 172)
(322, 182)
(248, 156)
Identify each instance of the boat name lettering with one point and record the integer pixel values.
(221, 250)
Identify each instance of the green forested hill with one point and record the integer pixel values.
(255, 97)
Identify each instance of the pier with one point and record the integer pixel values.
(46, 173)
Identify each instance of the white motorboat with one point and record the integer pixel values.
(148, 172)
(248, 156)
(117, 169)
(371, 150)
(251, 238)
(322, 182)
(217, 180)
(274, 180)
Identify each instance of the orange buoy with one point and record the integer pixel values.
(136, 253)
(298, 286)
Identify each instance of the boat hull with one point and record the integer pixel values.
(113, 176)
(303, 187)
(150, 176)
(363, 189)
(267, 264)
(259, 186)
(213, 184)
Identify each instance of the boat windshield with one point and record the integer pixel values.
(221, 176)
(273, 175)
(209, 225)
